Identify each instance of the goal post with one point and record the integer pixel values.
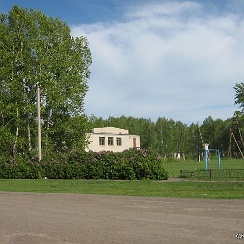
(207, 150)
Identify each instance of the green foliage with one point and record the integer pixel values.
(127, 165)
(20, 168)
(239, 97)
(36, 50)
(146, 164)
(169, 137)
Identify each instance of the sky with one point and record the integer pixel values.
(175, 59)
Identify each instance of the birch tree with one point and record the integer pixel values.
(36, 50)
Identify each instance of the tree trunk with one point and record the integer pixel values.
(16, 133)
(29, 135)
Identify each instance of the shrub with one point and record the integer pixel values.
(128, 165)
(147, 164)
(20, 167)
(53, 165)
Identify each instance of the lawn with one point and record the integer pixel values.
(189, 189)
(174, 167)
(185, 188)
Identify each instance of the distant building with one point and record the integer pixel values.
(111, 139)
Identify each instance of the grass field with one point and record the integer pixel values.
(174, 167)
(191, 189)
(186, 188)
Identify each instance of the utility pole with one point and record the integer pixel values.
(39, 124)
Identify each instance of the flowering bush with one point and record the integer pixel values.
(20, 168)
(127, 165)
(146, 164)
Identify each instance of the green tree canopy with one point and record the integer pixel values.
(168, 137)
(239, 97)
(36, 50)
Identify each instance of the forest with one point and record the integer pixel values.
(169, 137)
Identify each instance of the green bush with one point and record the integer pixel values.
(53, 166)
(128, 165)
(20, 167)
(146, 164)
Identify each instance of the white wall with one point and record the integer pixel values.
(128, 141)
(110, 130)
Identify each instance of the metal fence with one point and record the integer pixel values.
(215, 174)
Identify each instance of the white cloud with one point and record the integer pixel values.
(169, 60)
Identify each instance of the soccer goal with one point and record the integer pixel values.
(207, 151)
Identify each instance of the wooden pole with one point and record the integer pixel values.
(238, 145)
(230, 144)
(39, 124)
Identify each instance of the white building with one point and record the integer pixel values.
(111, 139)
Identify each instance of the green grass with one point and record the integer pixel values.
(174, 167)
(189, 189)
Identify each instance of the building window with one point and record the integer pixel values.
(110, 141)
(119, 141)
(101, 141)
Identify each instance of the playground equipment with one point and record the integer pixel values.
(235, 133)
(207, 150)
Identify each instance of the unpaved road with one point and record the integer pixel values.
(31, 218)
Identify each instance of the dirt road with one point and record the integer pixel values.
(31, 218)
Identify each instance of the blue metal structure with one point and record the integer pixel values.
(207, 150)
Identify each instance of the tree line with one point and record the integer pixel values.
(39, 51)
(171, 138)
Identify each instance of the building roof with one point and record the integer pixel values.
(110, 130)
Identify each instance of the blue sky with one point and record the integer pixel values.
(175, 59)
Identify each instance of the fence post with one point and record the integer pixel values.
(210, 173)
